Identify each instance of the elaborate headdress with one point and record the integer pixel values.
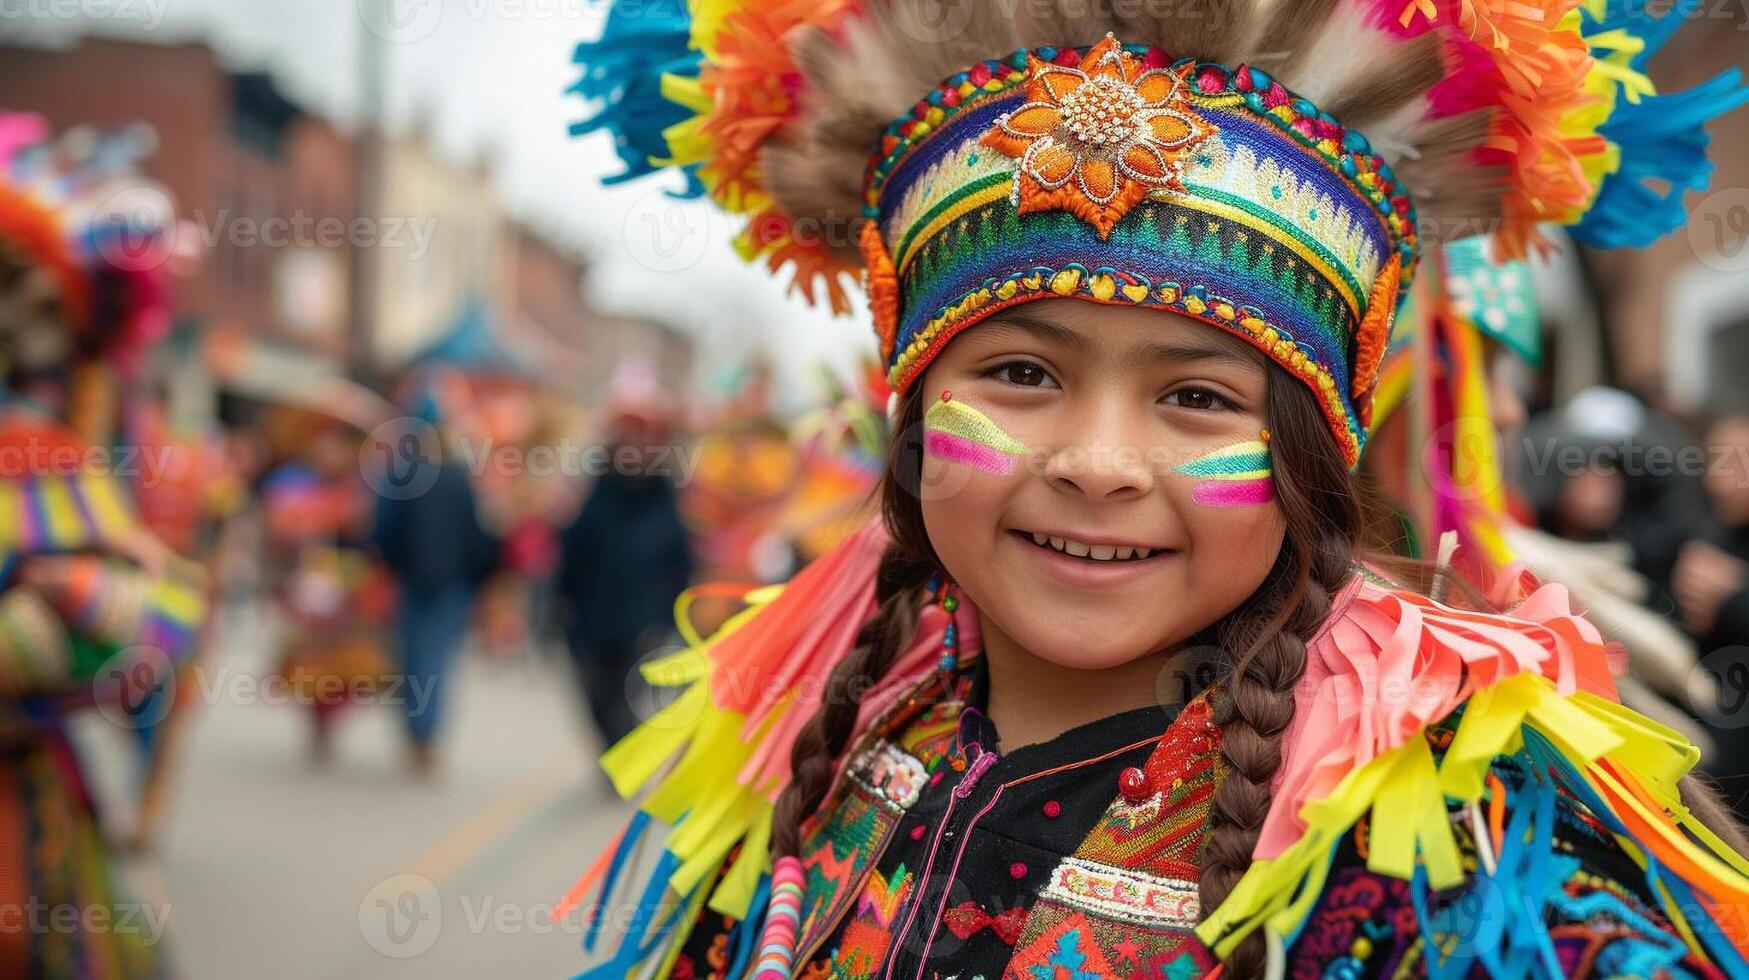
(1274, 169)
(83, 244)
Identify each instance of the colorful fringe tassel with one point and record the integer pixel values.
(1535, 681)
(715, 759)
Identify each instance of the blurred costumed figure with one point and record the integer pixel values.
(1374, 782)
(747, 469)
(94, 609)
(626, 556)
(335, 597)
(841, 446)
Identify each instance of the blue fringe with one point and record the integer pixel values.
(1636, 17)
(746, 932)
(621, 73)
(1663, 137)
(628, 842)
(635, 947)
(1724, 955)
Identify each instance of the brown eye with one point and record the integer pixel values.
(1023, 373)
(1197, 399)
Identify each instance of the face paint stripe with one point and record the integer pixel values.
(1220, 493)
(1262, 473)
(1232, 476)
(1230, 462)
(958, 449)
(962, 420)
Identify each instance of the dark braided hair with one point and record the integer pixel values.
(900, 584)
(1267, 634)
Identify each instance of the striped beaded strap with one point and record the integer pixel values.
(777, 947)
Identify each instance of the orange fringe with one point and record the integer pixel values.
(1540, 68)
(751, 82)
(1374, 334)
(38, 231)
(883, 287)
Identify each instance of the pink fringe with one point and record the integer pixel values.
(1389, 663)
(773, 669)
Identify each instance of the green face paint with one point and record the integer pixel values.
(1232, 476)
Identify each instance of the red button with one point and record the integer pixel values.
(1134, 784)
(1017, 871)
(917, 832)
(1053, 809)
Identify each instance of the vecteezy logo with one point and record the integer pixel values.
(1187, 674)
(400, 458)
(1719, 230)
(135, 687)
(401, 21)
(933, 21)
(401, 916)
(1718, 688)
(134, 230)
(667, 234)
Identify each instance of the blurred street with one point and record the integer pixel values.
(299, 871)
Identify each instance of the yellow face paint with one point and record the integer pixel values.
(959, 433)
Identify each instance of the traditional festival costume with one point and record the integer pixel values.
(94, 610)
(1459, 792)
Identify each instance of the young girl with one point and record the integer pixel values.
(1109, 692)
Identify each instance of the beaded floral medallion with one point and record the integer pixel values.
(1096, 140)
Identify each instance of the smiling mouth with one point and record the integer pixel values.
(1090, 552)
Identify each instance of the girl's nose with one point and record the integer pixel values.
(1111, 468)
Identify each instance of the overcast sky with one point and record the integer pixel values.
(490, 75)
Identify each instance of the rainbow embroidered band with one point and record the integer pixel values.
(1116, 175)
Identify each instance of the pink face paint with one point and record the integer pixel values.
(959, 433)
(1233, 476)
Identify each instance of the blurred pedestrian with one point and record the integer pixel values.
(623, 562)
(439, 553)
(1711, 578)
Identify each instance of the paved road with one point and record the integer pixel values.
(270, 868)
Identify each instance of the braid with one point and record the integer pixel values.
(904, 573)
(1271, 631)
(824, 738)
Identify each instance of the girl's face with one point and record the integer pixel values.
(1129, 442)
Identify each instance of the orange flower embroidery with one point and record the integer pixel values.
(1095, 140)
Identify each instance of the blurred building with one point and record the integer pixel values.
(575, 347)
(440, 247)
(270, 194)
(266, 189)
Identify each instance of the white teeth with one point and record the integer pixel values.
(1093, 552)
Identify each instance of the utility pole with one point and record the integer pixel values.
(371, 160)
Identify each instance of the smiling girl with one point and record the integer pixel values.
(1108, 690)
